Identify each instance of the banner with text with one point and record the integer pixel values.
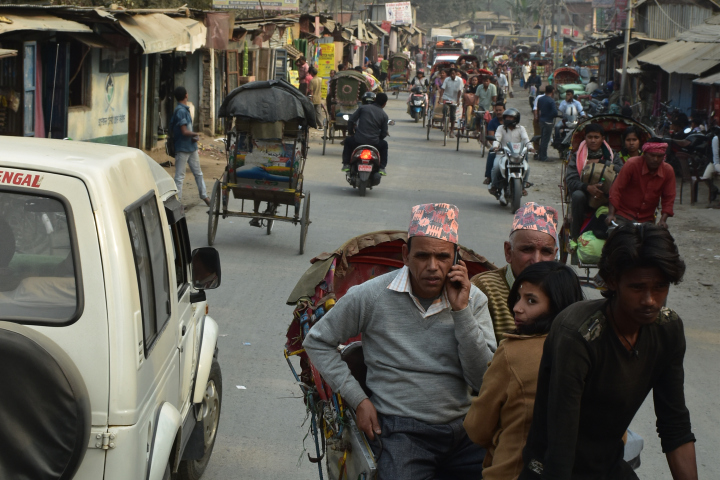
(255, 4)
(326, 62)
(399, 13)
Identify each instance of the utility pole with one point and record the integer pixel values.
(557, 59)
(628, 22)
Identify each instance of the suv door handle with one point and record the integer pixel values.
(184, 329)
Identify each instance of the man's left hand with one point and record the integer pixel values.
(663, 224)
(457, 286)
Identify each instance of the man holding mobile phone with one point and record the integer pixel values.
(427, 336)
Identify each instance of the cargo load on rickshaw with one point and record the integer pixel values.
(266, 145)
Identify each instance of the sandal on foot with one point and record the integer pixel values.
(486, 181)
(525, 194)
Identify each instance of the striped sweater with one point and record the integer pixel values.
(494, 285)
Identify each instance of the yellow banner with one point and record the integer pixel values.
(326, 62)
(294, 78)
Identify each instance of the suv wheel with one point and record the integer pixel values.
(212, 401)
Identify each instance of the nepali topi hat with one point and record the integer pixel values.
(436, 220)
(533, 216)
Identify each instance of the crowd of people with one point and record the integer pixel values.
(512, 374)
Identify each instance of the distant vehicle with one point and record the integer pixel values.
(451, 58)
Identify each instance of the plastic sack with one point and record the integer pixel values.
(589, 248)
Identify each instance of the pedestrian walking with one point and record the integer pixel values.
(315, 93)
(186, 148)
(547, 111)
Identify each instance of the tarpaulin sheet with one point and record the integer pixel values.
(198, 34)
(219, 27)
(155, 32)
(269, 101)
(48, 23)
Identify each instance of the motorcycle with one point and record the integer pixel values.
(364, 166)
(513, 158)
(596, 107)
(563, 135)
(418, 104)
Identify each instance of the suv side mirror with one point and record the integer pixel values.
(205, 268)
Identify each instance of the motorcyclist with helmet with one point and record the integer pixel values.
(509, 132)
(371, 127)
(418, 85)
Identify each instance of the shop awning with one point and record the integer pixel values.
(92, 40)
(633, 67)
(12, 23)
(709, 80)
(155, 32)
(198, 33)
(688, 58)
(5, 53)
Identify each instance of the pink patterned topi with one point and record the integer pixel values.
(437, 220)
(532, 216)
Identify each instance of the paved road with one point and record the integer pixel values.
(262, 430)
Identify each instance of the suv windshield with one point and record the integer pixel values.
(37, 267)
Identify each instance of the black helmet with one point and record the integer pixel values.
(514, 113)
(368, 98)
(420, 70)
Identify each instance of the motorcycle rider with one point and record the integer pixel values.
(419, 80)
(568, 102)
(509, 132)
(371, 128)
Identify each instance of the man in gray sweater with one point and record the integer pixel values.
(427, 338)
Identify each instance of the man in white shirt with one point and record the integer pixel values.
(592, 85)
(450, 93)
(568, 102)
(536, 123)
(502, 81)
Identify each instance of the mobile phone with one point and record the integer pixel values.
(456, 284)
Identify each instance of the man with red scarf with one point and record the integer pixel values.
(642, 183)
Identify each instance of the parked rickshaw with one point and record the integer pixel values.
(266, 144)
(398, 73)
(567, 78)
(344, 94)
(470, 63)
(333, 426)
(614, 126)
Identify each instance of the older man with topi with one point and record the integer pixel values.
(427, 339)
(533, 239)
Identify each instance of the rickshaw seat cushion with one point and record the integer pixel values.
(354, 357)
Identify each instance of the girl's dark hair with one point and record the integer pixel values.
(558, 282)
(640, 246)
(628, 131)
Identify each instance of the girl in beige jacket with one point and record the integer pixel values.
(500, 416)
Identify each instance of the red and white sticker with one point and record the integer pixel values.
(365, 168)
(19, 178)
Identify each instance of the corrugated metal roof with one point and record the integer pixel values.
(198, 34)
(155, 32)
(92, 40)
(40, 23)
(684, 57)
(705, 33)
(5, 53)
(713, 79)
(633, 67)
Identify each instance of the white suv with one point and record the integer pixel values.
(108, 359)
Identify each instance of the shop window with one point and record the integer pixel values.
(80, 61)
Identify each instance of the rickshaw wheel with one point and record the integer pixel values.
(331, 131)
(424, 116)
(429, 126)
(564, 243)
(325, 134)
(214, 212)
(304, 223)
(269, 226)
(457, 147)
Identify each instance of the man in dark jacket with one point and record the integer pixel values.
(546, 111)
(371, 128)
(601, 360)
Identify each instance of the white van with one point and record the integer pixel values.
(108, 358)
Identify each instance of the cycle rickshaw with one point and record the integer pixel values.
(398, 73)
(343, 98)
(266, 145)
(336, 437)
(614, 126)
(437, 111)
(473, 121)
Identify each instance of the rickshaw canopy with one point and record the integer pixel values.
(564, 75)
(614, 126)
(269, 101)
